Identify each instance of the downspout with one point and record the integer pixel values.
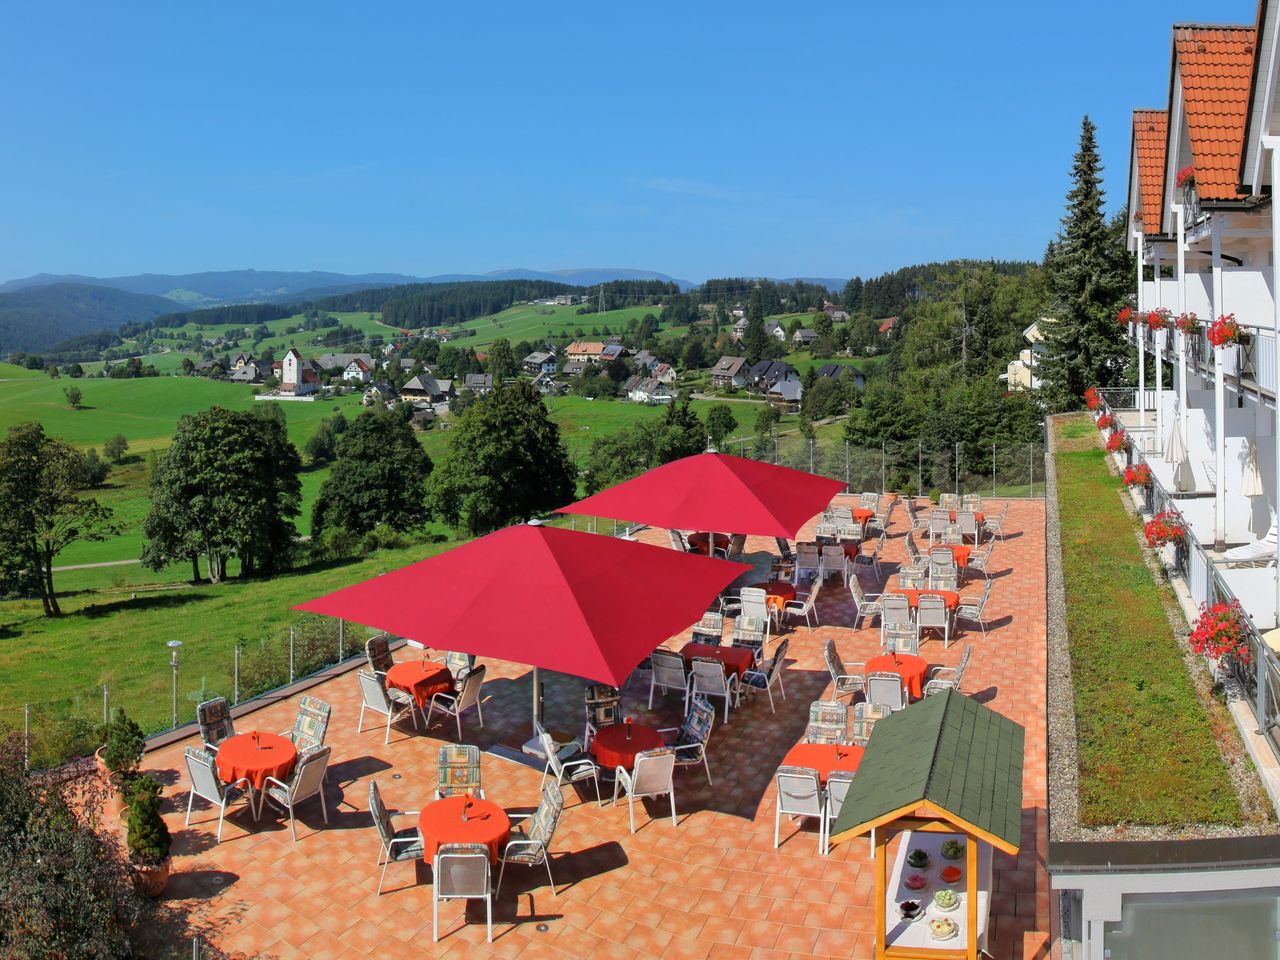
(1179, 211)
(1219, 404)
(1134, 329)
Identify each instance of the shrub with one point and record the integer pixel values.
(148, 837)
(124, 742)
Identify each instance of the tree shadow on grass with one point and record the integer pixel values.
(162, 601)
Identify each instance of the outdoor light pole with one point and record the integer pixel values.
(174, 646)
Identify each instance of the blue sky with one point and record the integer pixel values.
(697, 139)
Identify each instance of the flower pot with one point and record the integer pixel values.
(152, 878)
(103, 772)
(114, 804)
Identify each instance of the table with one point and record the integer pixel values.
(949, 597)
(256, 756)
(612, 749)
(824, 757)
(421, 679)
(777, 592)
(900, 933)
(978, 515)
(911, 668)
(699, 541)
(862, 515)
(959, 552)
(441, 822)
(852, 548)
(735, 659)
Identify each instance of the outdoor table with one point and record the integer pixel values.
(699, 541)
(978, 515)
(949, 597)
(911, 668)
(777, 593)
(862, 515)
(441, 822)
(735, 659)
(824, 757)
(959, 551)
(256, 756)
(612, 749)
(421, 679)
(852, 548)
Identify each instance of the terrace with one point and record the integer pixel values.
(711, 885)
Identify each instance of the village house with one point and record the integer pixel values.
(240, 359)
(774, 329)
(612, 351)
(540, 361)
(575, 368)
(340, 361)
(765, 373)
(547, 385)
(729, 372)
(380, 391)
(478, 383)
(738, 311)
(357, 371)
(786, 395)
(586, 351)
(664, 372)
(649, 390)
(252, 371)
(423, 416)
(424, 387)
(803, 338)
(740, 329)
(644, 360)
(842, 371)
(835, 313)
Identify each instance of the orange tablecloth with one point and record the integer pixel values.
(960, 551)
(777, 592)
(420, 679)
(269, 755)
(862, 514)
(912, 669)
(699, 541)
(949, 597)
(978, 515)
(612, 749)
(736, 659)
(441, 822)
(823, 757)
(852, 548)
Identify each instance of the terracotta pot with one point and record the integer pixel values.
(151, 879)
(115, 805)
(103, 772)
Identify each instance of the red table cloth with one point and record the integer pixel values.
(256, 756)
(421, 679)
(852, 548)
(699, 541)
(735, 659)
(912, 669)
(777, 592)
(823, 757)
(862, 515)
(978, 515)
(949, 597)
(959, 551)
(441, 822)
(612, 749)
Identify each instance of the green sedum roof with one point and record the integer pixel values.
(947, 749)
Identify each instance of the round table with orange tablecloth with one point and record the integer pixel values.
(824, 757)
(949, 597)
(959, 551)
(441, 822)
(980, 518)
(612, 749)
(862, 515)
(777, 592)
(699, 541)
(421, 679)
(256, 756)
(911, 668)
(736, 659)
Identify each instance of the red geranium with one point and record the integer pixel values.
(1186, 175)
(1163, 528)
(1220, 632)
(1138, 475)
(1117, 441)
(1158, 319)
(1105, 421)
(1124, 316)
(1188, 322)
(1091, 398)
(1224, 330)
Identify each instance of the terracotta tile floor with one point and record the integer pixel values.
(712, 886)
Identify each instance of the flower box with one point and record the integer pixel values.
(1187, 323)
(1220, 632)
(1138, 475)
(1165, 528)
(1225, 330)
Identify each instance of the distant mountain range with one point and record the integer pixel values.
(37, 318)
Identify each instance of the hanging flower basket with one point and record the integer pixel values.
(1138, 475)
(1186, 176)
(1165, 528)
(1125, 316)
(1118, 441)
(1106, 421)
(1091, 398)
(1224, 330)
(1159, 318)
(1187, 323)
(1220, 632)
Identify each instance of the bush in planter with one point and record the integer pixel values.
(122, 749)
(149, 839)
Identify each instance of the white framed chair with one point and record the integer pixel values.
(461, 872)
(828, 722)
(838, 784)
(575, 767)
(939, 521)
(202, 768)
(306, 781)
(756, 606)
(949, 501)
(311, 725)
(899, 638)
(214, 719)
(399, 846)
(980, 561)
(971, 501)
(833, 561)
(456, 704)
(653, 776)
(887, 689)
(865, 604)
(799, 795)
(668, 674)
(942, 679)
(869, 500)
(808, 562)
(804, 603)
(932, 614)
(530, 843)
(848, 679)
(768, 673)
(995, 525)
(691, 737)
(973, 609)
(967, 521)
(374, 697)
(871, 559)
(709, 630)
(708, 678)
(677, 541)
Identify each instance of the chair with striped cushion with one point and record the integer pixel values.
(311, 724)
(377, 651)
(307, 780)
(400, 845)
(690, 744)
(604, 709)
(530, 843)
(768, 673)
(214, 717)
(828, 722)
(458, 766)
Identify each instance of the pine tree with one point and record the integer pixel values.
(1088, 280)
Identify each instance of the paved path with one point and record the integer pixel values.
(94, 566)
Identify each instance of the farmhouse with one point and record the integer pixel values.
(586, 351)
(843, 371)
(664, 372)
(478, 383)
(762, 376)
(380, 391)
(547, 385)
(774, 329)
(252, 371)
(649, 390)
(835, 313)
(358, 371)
(804, 337)
(340, 361)
(540, 361)
(424, 387)
(786, 395)
(729, 372)
(644, 360)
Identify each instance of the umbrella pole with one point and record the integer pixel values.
(537, 701)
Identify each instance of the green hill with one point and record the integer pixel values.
(38, 318)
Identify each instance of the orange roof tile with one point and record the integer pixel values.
(1216, 65)
(1150, 133)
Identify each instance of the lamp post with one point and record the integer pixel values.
(174, 646)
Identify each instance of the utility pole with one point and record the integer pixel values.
(600, 309)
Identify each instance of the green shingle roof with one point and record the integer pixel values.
(947, 749)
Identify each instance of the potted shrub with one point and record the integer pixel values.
(120, 754)
(148, 837)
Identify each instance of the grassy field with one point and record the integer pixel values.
(536, 323)
(1146, 745)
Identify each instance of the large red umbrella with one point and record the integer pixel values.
(716, 491)
(580, 603)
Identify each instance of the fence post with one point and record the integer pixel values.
(1031, 461)
(919, 468)
(882, 466)
(812, 441)
(777, 458)
(615, 528)
(291, 653)
(846, 466)
(106, 708)
(957, 469)
(993, 468)
(26, 736)
(236, 674)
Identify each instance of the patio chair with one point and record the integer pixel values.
(375, 698)
(918, 509)
(899, 638)
(895, 610)
(947, 580)
(871, 559)
(709, 679)
(849, 531)
(306, 781)
(455, 704)
(869, 500)
(941, 563)
(967, 521)
(808, 562)
(971, 501)
(784, 549)
(730, 604)
(677, 541)
(803, 604)
(913, 578)
(949, 501)
(888, 690)
(377, 651)
(311, 724)
(939, 521)
(737, 546)
(828, 722)
(838, 784)
(995, 525)
(530, 844)
(833, 560)
(848, 679)
(865, 716)
(769, 672)
(668, 673)
(461, 872)
(865, 604)
(202, 768)
(569, 767)
(691, 737)
(603, 704)
(755, 604)
(980, 561)
(942, 679)
(653, 776)
(799, 795)
(973, 609)
(825, 530)
(400, 845)
(214, 718)
(458, 771)
(932, 614)
(709, 630)
(460, 666)
(881, 520)
(916, 561)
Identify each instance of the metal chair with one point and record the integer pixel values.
(949, 501)
(668, 673)
(311, 725)
(455, 704)
(939, 521)
(865, 716)
(995, 525)
(838, 784)
(849, 680)
(980, 561)
(967, 520)
(808, 561)
(574, 768)
(400, 846)
(653, 776)
(767, 673)
(460, 666)
(871, 559)
(942, 564)
(709, 679)
(828, 722)
(932, 614)
(709, 630)
(888, 690)
(899, 638)
(202, 768)
(530, 844)
(799, 795)
(971, 501)
(690, 743)
(461, 872)
(833, 560)
(458, 771)
(307, 781)
(375, 698)
(865, 604)
(942, 679)
(803, 605)
(869, 500)
(214, 718)
(972, 609)
(756, 606)
(377, 651)
(677, 541)
(603, 705)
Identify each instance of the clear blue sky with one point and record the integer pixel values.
(698, 139)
